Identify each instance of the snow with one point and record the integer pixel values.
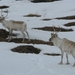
(12, 63)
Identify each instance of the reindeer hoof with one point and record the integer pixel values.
(67, 63)
(60, 63)
(74, 65)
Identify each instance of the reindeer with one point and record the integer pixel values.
(14, 25)
(64, 45)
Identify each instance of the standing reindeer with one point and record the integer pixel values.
(14, 25)
(64, 45)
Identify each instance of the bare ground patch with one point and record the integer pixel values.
(38, 1)
(56, 28)
(31, 49)
(4, 34)
(67, 17)
(32, 41)
(52, 54)
(32, 15)
(4, 6)
(70, 24)
(26, 49)
(46, 19)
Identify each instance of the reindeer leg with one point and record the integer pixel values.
(61, 62)
(73, 54)
(67, 59)
(27, 35)
(10, 34)
(74, 63)
(23, 36)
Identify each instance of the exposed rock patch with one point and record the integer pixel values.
(67, 17)
(56, 29)
(70, 24)
(26, 49)
(52, 54)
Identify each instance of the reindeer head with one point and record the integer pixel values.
(1, 19)
(2, 16)
(54, 35)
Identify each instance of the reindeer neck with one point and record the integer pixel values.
(58, 41)
(4, 22)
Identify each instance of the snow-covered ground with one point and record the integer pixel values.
(12, 63)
